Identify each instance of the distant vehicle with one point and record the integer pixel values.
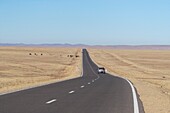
(101, 70)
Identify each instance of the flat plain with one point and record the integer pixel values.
(149, 70)
(24, 67)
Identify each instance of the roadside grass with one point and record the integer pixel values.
(23, 67)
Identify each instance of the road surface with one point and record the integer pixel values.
(90, 93)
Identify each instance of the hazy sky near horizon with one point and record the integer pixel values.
(93, 22)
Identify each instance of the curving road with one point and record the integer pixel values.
(90, 93)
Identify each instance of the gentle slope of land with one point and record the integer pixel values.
(22, 67)
(147, 69)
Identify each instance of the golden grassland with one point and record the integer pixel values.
(149, 70)
(23, 67)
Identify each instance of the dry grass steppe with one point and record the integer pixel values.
(24, 67)
(149, 70)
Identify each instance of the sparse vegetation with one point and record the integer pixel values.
(20, 70)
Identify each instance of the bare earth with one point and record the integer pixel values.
(21, 68)
(149, 70)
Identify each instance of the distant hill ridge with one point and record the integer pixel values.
(157, 47)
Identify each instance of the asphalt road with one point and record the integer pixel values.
(91, 93)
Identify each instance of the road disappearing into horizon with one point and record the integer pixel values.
(90, 93)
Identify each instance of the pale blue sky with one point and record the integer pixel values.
(94, 22)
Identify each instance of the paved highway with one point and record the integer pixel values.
(90, 93)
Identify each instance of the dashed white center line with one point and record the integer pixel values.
(51, 101)
(89, 83)
(82, 86)
(71, 92)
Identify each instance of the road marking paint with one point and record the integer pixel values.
(89, 83)
(135, 100)
(92, 80)
(71, 92)
(82, 86)
(82, 64)
(51, 101)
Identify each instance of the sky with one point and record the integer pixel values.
(92, 22)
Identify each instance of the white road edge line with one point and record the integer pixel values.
(82, 71)
(82, 86)
(135, 100)
(134, 94)
(51, 101)
(71, 92)
(89, 83)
